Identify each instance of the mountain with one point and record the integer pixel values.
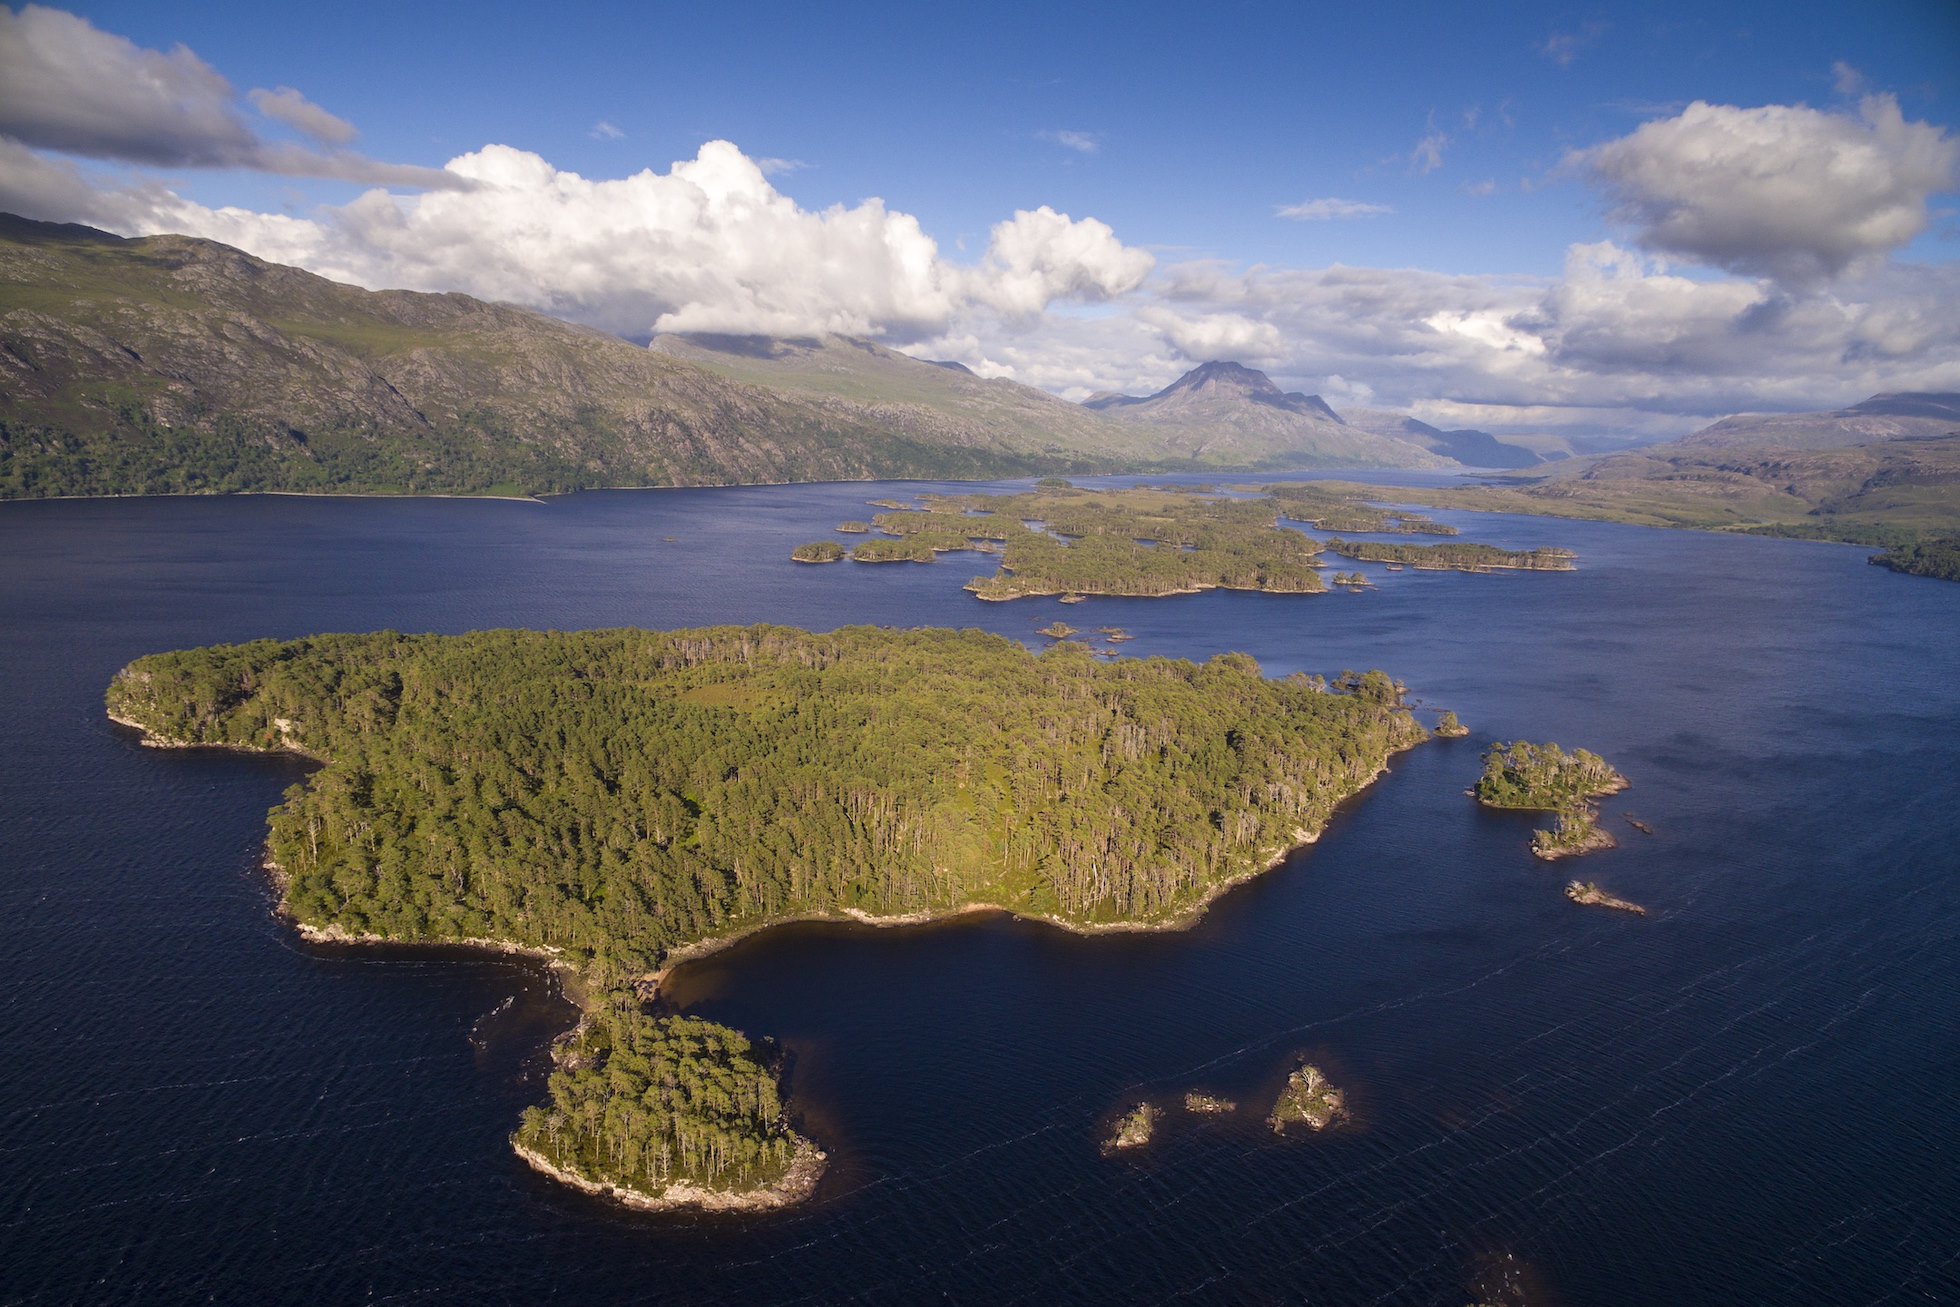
(169, 364)
(1227, 412)
(1466, 446)
(938, 401)
(1905, 415)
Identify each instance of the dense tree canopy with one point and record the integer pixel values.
(613, 796)
(1544, 777)
(617, 794)
(1461, 556)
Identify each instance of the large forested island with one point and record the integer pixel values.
(617, 800)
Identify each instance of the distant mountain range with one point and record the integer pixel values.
(1900, 416)
(171, 364)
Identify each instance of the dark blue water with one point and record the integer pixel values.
(1747, 1096)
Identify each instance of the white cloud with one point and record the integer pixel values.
(1208, 337)
(1846, 80)
(1080, 142)
(1564, 47)
(1329, 208)
(1783, 190)
(605, 131)
(1479, 190)
(69, 87)
(299, 113)
(773, 167)
(1427, 156)
(710, 245)
(1040, 256)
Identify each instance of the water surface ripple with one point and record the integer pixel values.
(1745, 1097)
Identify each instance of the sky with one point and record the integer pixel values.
(1593, 220)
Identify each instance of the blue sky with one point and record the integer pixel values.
(1449, 132)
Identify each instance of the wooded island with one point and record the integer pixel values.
(617, 799)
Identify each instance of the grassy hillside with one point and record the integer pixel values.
(169, 364)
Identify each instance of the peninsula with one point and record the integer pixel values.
(615, 801)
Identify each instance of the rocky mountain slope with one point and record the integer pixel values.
(946, 400)
(173, 364)
(1903, 416)
(1226, 412)
(1467, 446)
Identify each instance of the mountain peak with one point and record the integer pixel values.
(1222, 373)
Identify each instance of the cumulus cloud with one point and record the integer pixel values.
(1209, 337)
(1782, 191)
(709, 245)
(1325, 209)
(67, 86)
(1080, 142)
(1039, 256)
(299, 113)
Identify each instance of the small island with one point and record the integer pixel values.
(854, 528)
(1449, 728)
(1457, 556)
(821, 551)
(1543, 777)
(1208, 1104)
(1309, 1100)
(1591, 895)
(1133, 1129)
(1575, 832)
(612, 803)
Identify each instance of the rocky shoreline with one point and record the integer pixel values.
(806, 1168)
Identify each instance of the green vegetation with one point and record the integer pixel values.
(917, 550)
(172, 365)
(1308, 1099)
(649, 1102)
(611, 798)
(1449, 728)
(1576, 831)
(1061, 540)
(1543, 777)
(821, 551)
(1327, 510)
(1938, 558)
(1208, 1104)
(1460, 556)
(854, 528)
